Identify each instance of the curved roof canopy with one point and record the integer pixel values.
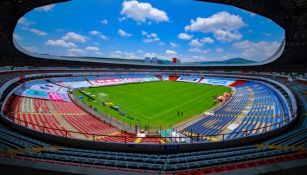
(289, 14)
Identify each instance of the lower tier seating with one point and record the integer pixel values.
(157, 162)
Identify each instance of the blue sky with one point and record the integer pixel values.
(185, 29)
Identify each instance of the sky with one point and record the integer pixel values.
(186, 29)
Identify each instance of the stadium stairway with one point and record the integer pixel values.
(159, 77)
(201, 78)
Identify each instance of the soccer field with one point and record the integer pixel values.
(154, 103)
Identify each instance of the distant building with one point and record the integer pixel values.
(154, 60)
(147, 60)
(151, 60)
(176, 61)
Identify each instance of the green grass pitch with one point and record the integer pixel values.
(154, 103)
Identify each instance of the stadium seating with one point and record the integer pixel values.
(191, 79)
(266, 112)
(71, 82)
(35, 114)
(90, 125)
(173, 77)
(217, 81)
(282, 148)
(284, 145)
(237, 83)
(213, 124)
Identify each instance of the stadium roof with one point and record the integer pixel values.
(289, 14)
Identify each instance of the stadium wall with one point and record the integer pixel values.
(158, 148)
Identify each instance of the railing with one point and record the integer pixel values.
(189, 139)
(173, 140)
(101, 116)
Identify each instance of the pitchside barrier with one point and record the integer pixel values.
(124, 139)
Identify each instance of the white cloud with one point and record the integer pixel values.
(104, 21)
(170, 52)
(173, 44)
(123, 33)
(223, 25)
(74, 37)
(195, 43)
(207, 40)
(144, 33)
(94, 32)
(228, 56)
(227, 36)
(130, 55)
(266, 34)
(221, 20)
(25, 22)
(252, 14)
(257, 51)
(142, 12)
(92, 48)
(184, 36)
(122, 19)
(149, 54)
(117, 52)
(76, 51)
(16, 37)
(153, 35)
(219, 50)
(31, 49)
(150, 40)
(199, 50)
(45, 8)
(103, 37)
(139, 51)
(150, 37)
(61, 43)
(98, 53)
(199, 58)
(120, 54)
(38, 32)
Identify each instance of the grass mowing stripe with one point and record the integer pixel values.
(158, 102)
(186, 102)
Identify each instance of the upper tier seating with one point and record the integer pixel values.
(71, 82)
(104, 80)
(218, 81)
(192, 79)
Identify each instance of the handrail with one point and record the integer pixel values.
(192, 138)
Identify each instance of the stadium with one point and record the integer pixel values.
(84, 115)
